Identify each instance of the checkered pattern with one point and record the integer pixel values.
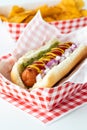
(15, 29)
(35, 36)
(66, 26)
(56, 101)
(43, 98)
(6, 63)
(45, 116)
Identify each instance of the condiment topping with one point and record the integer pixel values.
(49, 56)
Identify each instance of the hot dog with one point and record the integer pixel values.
(47, 65)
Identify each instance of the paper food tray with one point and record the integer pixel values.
(57, 101)
(47, 98)
(64, 26)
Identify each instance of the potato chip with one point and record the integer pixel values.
(49, 19)
(68, 2)
(15, 10)
(68, 10)
(27, 19)
(19, 18)
(79, 4)
(3, 18)
(49, 11)
(84, 12)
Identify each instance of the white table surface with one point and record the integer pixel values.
(12, 118)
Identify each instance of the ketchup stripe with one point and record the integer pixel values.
(59, 51)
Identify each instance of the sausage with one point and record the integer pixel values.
(29, 76)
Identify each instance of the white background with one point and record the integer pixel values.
(12, 118)
(5, 2)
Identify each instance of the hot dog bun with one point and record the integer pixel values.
(18, 68)
(56, 73)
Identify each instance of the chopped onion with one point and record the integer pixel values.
(51, 63)
(56, 61)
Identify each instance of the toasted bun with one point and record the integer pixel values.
(55, 74)
(59, 71)
(17, 68)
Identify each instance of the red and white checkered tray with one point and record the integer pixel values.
(66, 26)
(45, 104)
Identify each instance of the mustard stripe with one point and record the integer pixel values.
(35, 67)
(51, 54)
(59, 49)
(40, 60)
(67, 44)
(45, 59)
(48, 56)
(39, 64)
(66, 47)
